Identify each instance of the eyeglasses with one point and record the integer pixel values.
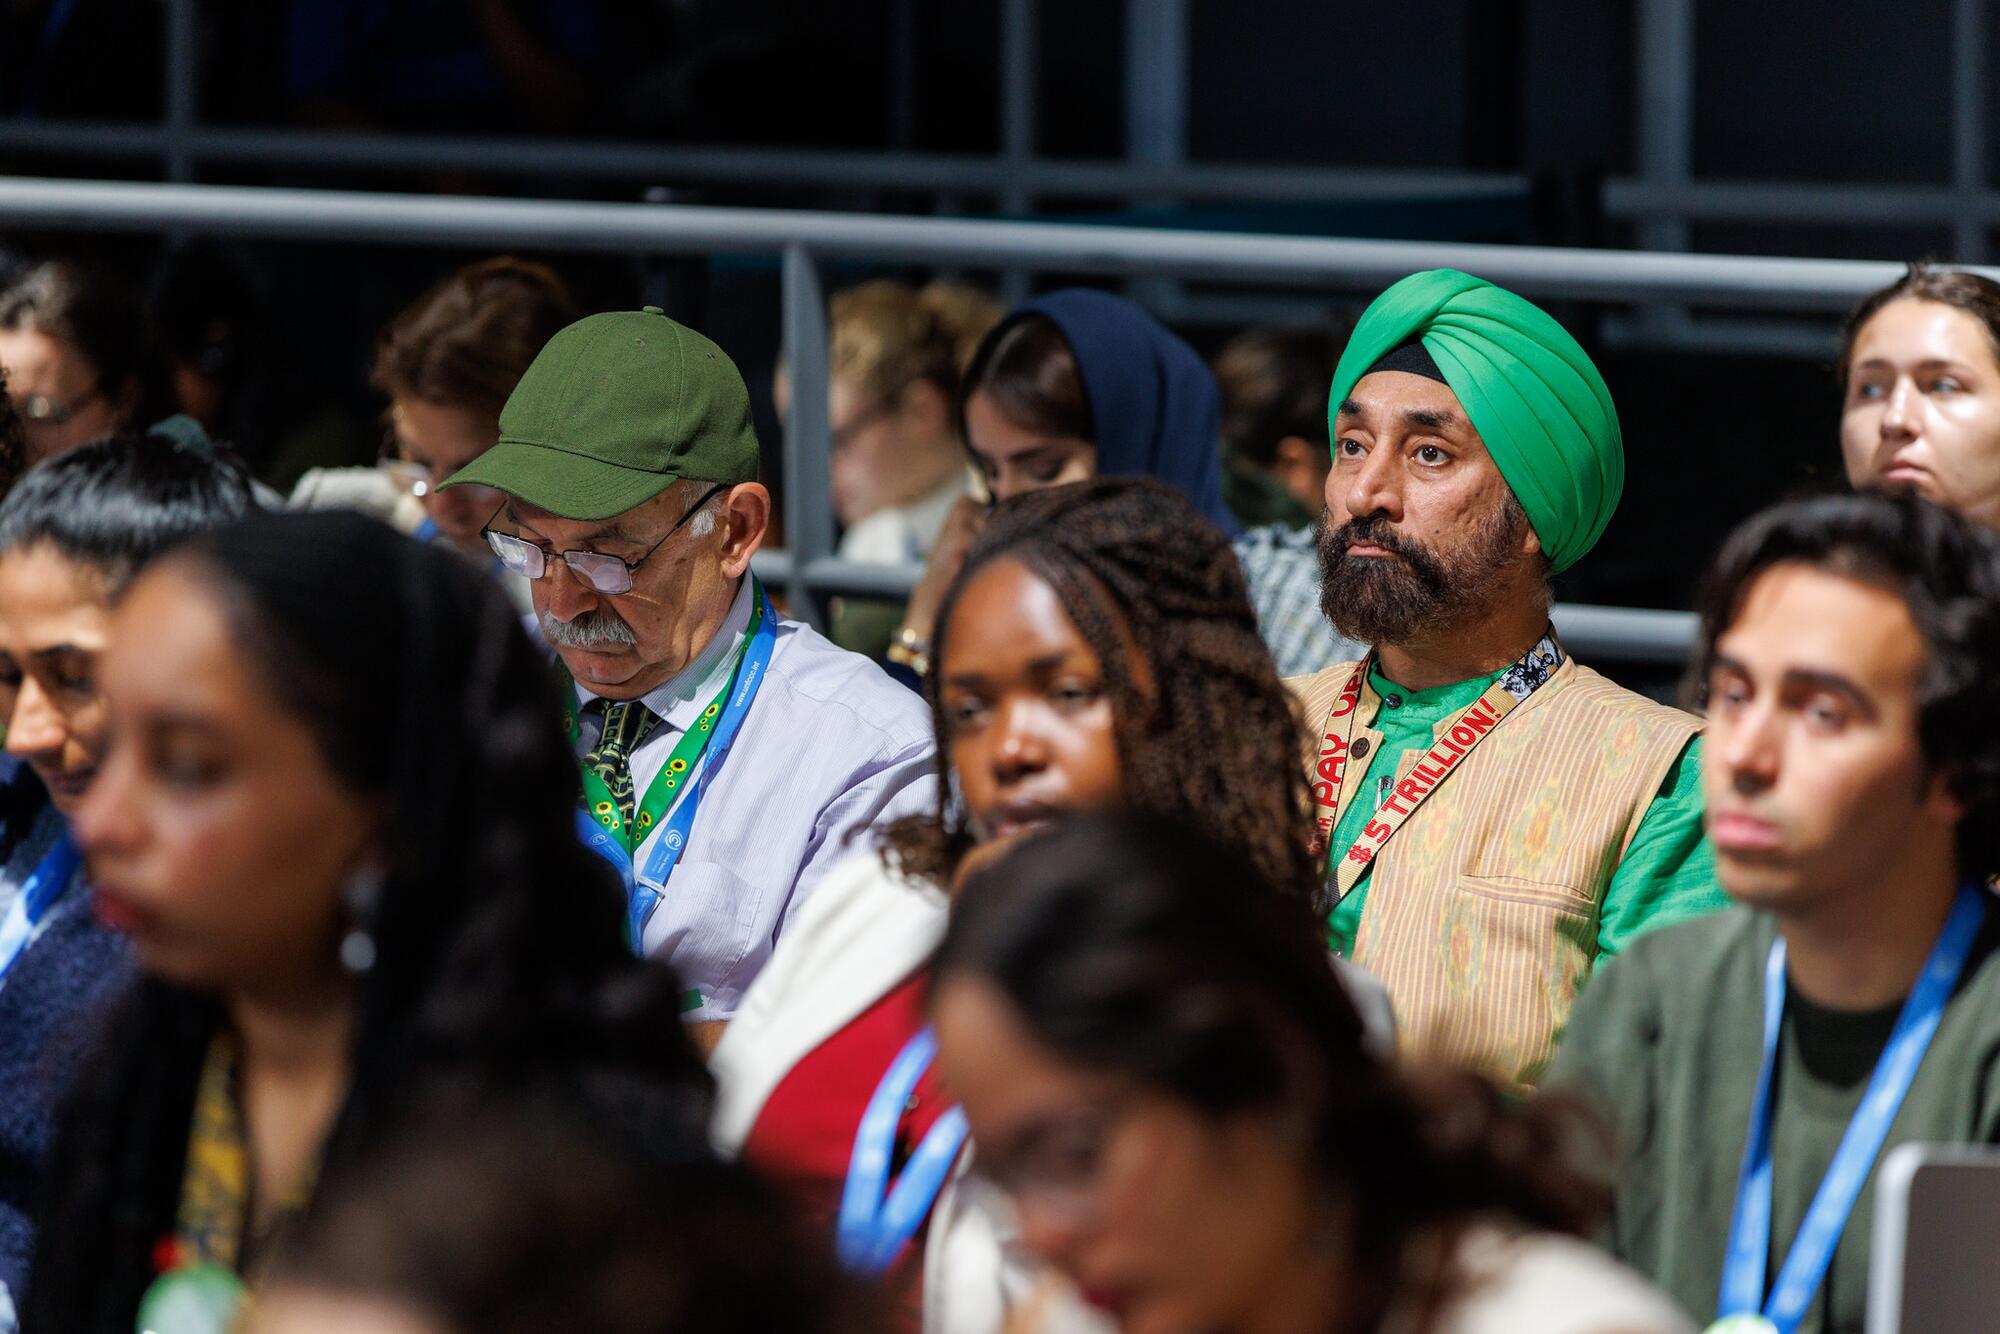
(1058, 1167)
(41, 410)
(609, 575)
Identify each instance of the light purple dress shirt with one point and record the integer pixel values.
(831, 749)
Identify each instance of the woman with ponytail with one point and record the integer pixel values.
(335, 817)
(1165, 1076)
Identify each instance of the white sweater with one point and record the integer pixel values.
(861, 934)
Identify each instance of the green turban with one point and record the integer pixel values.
(1534, 397)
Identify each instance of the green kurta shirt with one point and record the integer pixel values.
(1667, 1041)
(1666, 875)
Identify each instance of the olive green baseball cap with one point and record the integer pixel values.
(614, 410)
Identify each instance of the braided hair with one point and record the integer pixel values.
(1212, 738)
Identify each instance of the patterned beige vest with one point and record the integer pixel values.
(1481, 916)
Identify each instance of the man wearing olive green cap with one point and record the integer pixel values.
(1497, 817)
(727, 753)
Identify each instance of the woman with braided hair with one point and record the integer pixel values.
(1155, 596)
(1096, 650)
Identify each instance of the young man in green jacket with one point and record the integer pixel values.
(1756, 1064)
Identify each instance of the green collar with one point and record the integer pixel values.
(1436, 700)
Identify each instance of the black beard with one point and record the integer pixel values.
(1392, 599)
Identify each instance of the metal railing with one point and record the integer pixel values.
(1629, 198)
(805, 240)
(1662, 198)
(1663, 195)
(929, 174)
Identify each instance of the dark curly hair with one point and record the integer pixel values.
(501, 971)
(1946, 570)
(1215, 740)
(1129, 944)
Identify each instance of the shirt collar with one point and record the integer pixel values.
(927, 513)
(903, 533)
(680, 697)
(1436, 700)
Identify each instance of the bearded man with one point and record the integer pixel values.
(1497, 817)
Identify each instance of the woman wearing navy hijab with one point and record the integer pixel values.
(1079, 384)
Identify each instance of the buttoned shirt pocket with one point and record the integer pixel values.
(1544, 845)
(1543, 932)
(717, 927)
(1498, 936)
(1538, 892)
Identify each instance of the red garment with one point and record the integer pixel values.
(803, 1137)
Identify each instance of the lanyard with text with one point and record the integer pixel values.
(876, 1221)
(687, 752)
(30, 907)
(710, 736)
(1329, 786)
(1743, 1305)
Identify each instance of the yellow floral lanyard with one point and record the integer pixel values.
(199, 1288)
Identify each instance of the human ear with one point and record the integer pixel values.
(1531, 541)
(1941, 801)
(746, 515)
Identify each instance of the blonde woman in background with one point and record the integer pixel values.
(899, 473)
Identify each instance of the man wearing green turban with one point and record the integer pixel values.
(1497, 817)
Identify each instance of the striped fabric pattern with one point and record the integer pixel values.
(1481, 916)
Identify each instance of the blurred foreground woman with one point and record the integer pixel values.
(1162, 1071)
(335, 819)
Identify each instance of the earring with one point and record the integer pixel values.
(362, 895)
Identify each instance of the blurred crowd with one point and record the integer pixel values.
(456, 894)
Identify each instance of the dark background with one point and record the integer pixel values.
(1788, 89)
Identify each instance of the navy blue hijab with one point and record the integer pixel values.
(1154, 405)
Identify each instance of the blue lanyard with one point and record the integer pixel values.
(30, 907)
(642, 891)
(876, 1221)
(1805, 1267)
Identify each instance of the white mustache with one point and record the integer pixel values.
(601, 628)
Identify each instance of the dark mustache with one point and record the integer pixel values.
(1374, 531)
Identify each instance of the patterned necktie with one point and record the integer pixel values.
(626, 723)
